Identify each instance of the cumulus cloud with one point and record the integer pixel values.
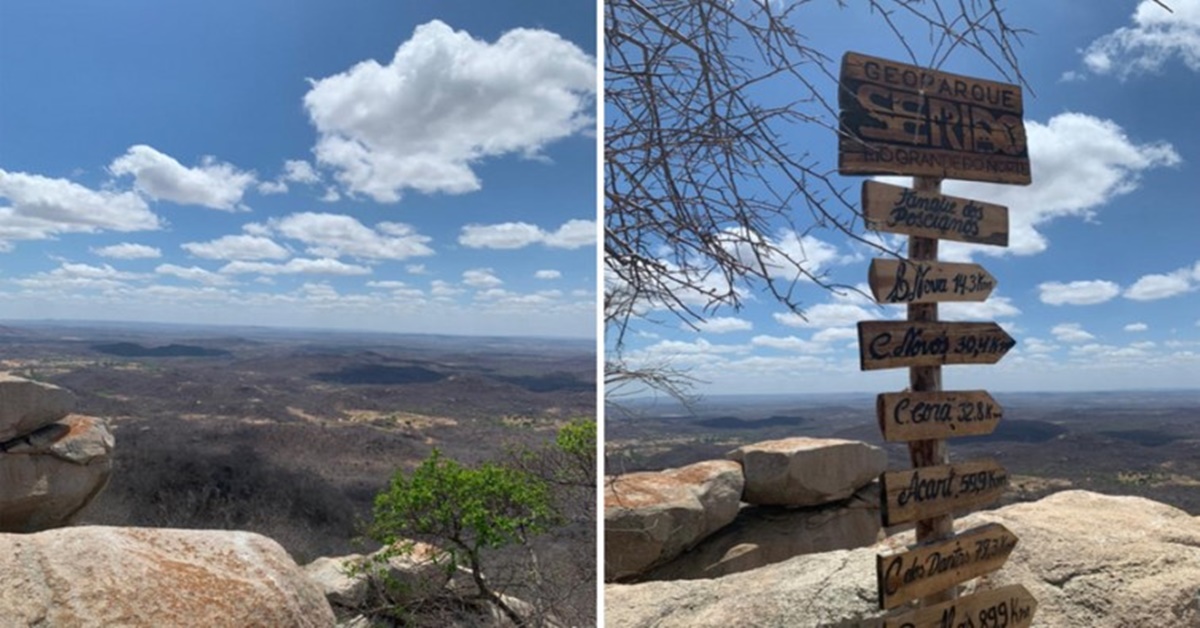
(445, 101)
(723, 325)
(237, 247)
(1154, 37)
(42, 207)
(547, 274)
(481, 278)
(297, 266)
(1077, 292)
(299, 171)
(78, 276)
(1071, 332)
(212, 184)
(572, 234)
(334, 235)
(127, 250)
(192, 273)
(1080, 162)
(789, 343)
(1137, 327)
(825, 315)
(995, 307)
(1153, 287)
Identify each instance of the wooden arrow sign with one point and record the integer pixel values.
(932, 567)
(890, 344)
(1011, 607)
(927, 492)
(898, 209)
(908, 416)
(907, 281)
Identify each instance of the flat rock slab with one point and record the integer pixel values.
(108, 576)
(807, 471)
(652, 517)
(26, 405)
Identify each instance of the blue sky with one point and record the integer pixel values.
(397, 166)
(1100, 284)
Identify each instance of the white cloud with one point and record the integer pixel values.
(1037, 345)
(331, 196)
(127, 250)
(1136, 327)
(334, 235)
(515, 235)
(299, 171)
(272, 187)
(192, 273)
(723, 325)
(70, 276)
(42, 207)
(444, 102)
(443, 289)
(799, 257)
(212, 184)
(1155, 36)
(481, 278)
(1161, 286)
(1071, 332)
(789, 343)
(993, 308)
(547, 274)
(825, 315)
(1077, 292)
(323, 266)
(237, 247)
(416, 269)
(1079, 162)
(834, 334)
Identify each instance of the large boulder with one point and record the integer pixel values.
(761, 535)
(1090, 560)
(652, 517)
(358, 582)
(341, 579)
(50, 475)
(26, 405)
(107, 576)
(807, 471)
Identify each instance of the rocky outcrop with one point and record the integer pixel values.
(102, 576)
(50, 474)
(652, 517)
(1090, 560)
(26, 405)
(355, 582)
(761, 535)
(807, 471)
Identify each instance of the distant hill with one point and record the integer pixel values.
(134, 350)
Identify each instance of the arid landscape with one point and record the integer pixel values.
(1144, 443)
(291, 433)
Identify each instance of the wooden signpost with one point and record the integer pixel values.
(1011, 607)
(901, 119)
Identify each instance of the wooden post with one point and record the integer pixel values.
(928, 453)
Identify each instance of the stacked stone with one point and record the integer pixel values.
(766, 503)
(53, 463)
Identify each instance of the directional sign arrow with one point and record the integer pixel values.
(898, 209)
(1012, 607)
(927, 492)
(908, 281)
(931, 567)
(907, 416)
(890, 344)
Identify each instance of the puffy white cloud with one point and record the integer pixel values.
(1071, 332)
(78, 276)
(826, 315)
(995, 307)
(42, 207)
(572, 234)
(798, 255)
(334, 235)
(723, 325)
(299, 171)
(1079, 162)
(127, 250)
(1137, 327)
(547, 274)
(212, 184)
(1161, 286)
(1077, 292)
(237, 247)
(445, 101)
(834, 334)
(443, 289)
(272, 187)
(416, 269)
(297, 266)
(1155, 36)
(789, 343)
(193, 273)
(481, 278)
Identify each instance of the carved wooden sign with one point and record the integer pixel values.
(932, 567)
(896, 209)
(906, 120)
(1007, 607)
(908, 416)
(890, 344)
(907, 281)
(927, 492)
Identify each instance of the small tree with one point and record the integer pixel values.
(467, 509)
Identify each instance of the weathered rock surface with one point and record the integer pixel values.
(356, 582)
(652, 517)
(807, 471)
(416, 575)
(1091, 560)
(104, 576)
(49, 476)
(26, 405)
(761, 535)
(340, 579)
